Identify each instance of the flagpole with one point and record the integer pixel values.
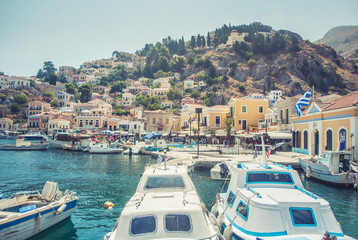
(263, 150)
(314, 128)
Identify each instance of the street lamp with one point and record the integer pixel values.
(198, 111)
(190, 120)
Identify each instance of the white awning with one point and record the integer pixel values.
(280, 135)
(165, 134)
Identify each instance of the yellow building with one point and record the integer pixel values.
(188, 116)
(213, 118)
(332, 127)
(248, 113)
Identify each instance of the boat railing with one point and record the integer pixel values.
(306, 192)
(283, 166)
(26, 193)
(254, 192)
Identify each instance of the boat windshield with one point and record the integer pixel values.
(164, 182)
(269, 177)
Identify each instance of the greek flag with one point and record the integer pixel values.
(159, 159)
(304, 101)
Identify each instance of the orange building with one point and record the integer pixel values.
(332, 127)
(248, 113)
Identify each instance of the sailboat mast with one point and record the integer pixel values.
(263, 150)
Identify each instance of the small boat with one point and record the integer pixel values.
(165, 206)
(221, 171)
(29, 213)
(72, 147)
(132, 151)
(21, 145)
(268, 201)
(34, 136)
(103, 148)
(12, 134)
(333, 167)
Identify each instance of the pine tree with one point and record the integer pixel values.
(198, 40)
(192, 42)
(203, 41)
(208, 40)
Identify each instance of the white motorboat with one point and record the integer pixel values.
(333, 167)
(34, 136)
(104, 148)
(72, 147)
(165, 206)
(132, 151)
(268, 201)
(12, 134)
(21, 145)
(221, 171)
(29, 213)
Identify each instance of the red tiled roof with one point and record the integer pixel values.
(347, 101)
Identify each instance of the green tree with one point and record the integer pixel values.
(174, 93)
(228, 128)
(208, 40)
(118, 87)
(51, 79)
(15, 108)
(160, 74)
(49, 68)
(181, 46)
(40, 74)
(62, 79)
(2, 97)
(198, 40)
(178, 64)
(195, 94)
(251, 63)
(71, 88)
(86, 93)
(20, 99)
(51, 95)
(55, 103)
(192, 42)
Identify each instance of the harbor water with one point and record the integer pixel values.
(114, 177)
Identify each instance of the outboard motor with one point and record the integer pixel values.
(224, 170)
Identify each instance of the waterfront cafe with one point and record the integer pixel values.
(330, 127)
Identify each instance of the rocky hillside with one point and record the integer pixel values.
(344, 39)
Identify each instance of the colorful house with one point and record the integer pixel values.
(333, 127)
(248, 113)
(213, 118)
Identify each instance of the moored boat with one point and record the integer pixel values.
(268, 201)
(333, 167)
(103, 148)
(34, 136)
(21, 145)
(30, 213)
(165, 206)
(221, 171)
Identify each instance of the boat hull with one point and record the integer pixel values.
(32, 147)
(105, 151)
(321, 172)
(30, 224)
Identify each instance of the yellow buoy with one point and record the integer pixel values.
(108, 205)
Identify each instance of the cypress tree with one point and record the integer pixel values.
(192, 42)
(208, 41)
(198, 41)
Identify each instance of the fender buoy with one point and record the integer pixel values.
(220, 219)
(215, 209)
(108, 205)
(308, 172)
(60, 209)
(228, 232)
(213, 220)
(83, 131)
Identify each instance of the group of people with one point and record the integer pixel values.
(328, 236)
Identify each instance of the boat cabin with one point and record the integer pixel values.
(164, 179)
(336, 161)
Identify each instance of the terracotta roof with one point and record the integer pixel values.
(349, 100)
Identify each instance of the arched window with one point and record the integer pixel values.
(329, 140)
(305, 139)
(298, 139)
(342, 139)
(293, 139)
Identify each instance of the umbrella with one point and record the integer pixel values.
(106, 131)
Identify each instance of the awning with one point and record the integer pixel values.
(165, 134)
(280, 135)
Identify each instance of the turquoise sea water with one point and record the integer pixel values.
(101, 178)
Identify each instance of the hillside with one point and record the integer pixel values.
(344, 39)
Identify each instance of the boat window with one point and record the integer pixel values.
(243, 210)
(303, 217)
(177, 223)
(143, 224)
(231, 199)
(271, 177)
(164, 182)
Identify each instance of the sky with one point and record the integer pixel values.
(70, 32)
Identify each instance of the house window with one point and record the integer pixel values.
(243, 109)
(217, 120)
(261, 109)
(305, 140)
(329, 139)
(298, 139)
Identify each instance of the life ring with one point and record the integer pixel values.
(83, 131)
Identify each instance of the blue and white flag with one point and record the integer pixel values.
(304, 101)
(159, 159)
